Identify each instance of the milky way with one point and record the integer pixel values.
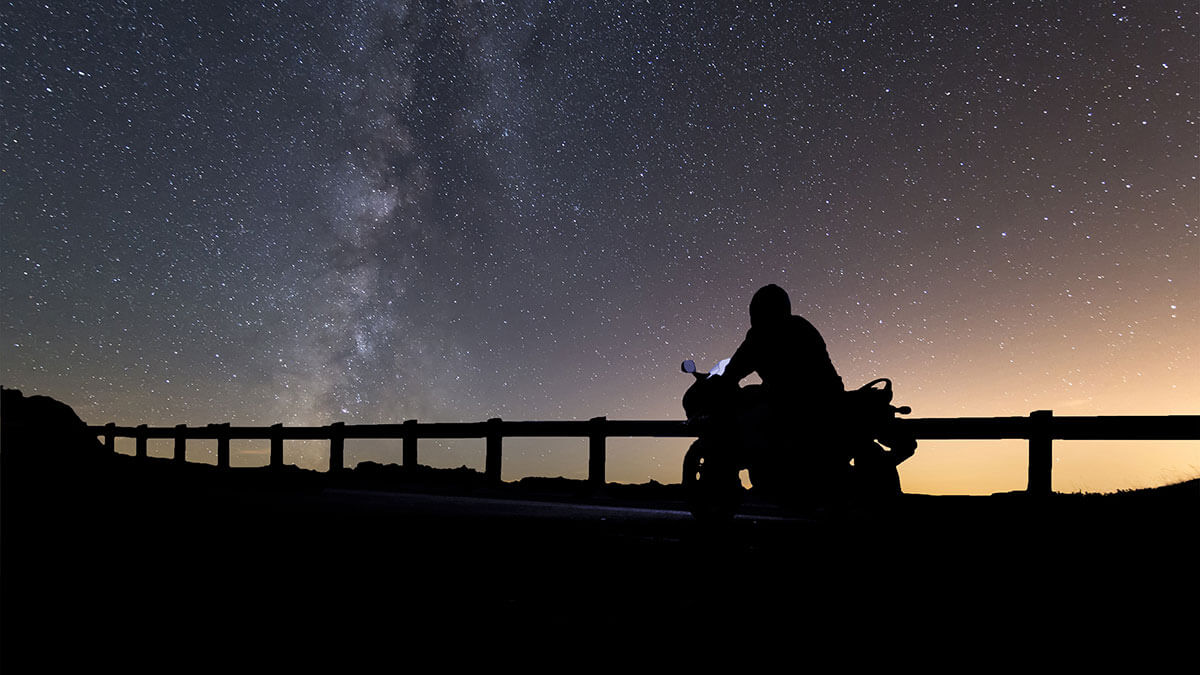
(374, 211)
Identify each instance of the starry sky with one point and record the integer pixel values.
(305, 212)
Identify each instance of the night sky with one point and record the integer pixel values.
(305, 212)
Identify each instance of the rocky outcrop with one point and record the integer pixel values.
(39, 430)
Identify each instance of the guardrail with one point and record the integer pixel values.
(1041, 428)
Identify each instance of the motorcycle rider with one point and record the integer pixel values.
(786, 351)
(802, 393)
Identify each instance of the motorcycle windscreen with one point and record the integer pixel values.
(719, 369)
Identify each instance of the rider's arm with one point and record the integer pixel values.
(741, 364)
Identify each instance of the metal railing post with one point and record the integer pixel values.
(491, 468)
(337, 446)
(110, 437)
(277, 446)
(180, 443)
(408, 453)
(596, 451)
(1041, 456)
(222, 444)
(140, 442)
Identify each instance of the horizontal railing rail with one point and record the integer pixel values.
(1041, 428)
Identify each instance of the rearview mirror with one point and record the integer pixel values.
(688, 366)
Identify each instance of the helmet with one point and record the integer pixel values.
(769, 304)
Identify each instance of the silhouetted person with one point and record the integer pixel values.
(802, 393)
(786, 351)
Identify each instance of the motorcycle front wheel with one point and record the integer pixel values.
(710, 483)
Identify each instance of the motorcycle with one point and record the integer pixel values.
(851, 457)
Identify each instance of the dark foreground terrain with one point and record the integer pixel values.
(155, 561)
